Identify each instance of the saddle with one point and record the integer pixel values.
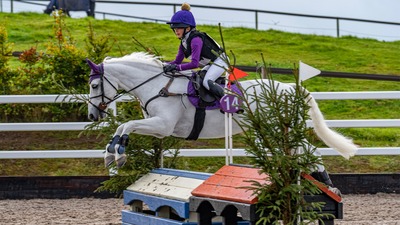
(207, 97)
(203, 100)
(199, 96)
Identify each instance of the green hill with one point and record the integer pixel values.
(281, 49)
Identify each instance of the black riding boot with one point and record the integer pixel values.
(323, 177)
(215, 89)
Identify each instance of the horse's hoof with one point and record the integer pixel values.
(240, 111)
(120, 160)
(108, 159)
(335, 190)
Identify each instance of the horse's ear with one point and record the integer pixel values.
(92, 65)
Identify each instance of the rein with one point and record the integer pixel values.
(164, 91)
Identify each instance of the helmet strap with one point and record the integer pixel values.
(185, 32)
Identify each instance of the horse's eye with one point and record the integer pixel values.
(94, 86)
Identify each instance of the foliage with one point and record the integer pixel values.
(276, 140)
(61, 61)
(5, 52)
(5, 47)
(65, 60)
(142, 47)
(98, 47)
(62, 64)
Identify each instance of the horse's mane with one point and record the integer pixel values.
(141, 57)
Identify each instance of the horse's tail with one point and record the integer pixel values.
(343, 145)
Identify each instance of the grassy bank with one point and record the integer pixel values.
(280, 49)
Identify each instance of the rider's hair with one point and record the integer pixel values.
(185, 6)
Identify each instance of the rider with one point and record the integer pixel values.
(200, 48)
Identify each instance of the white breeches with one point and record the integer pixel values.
(215, 70)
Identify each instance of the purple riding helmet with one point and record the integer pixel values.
(183, 18)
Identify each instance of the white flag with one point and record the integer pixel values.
(306, 71)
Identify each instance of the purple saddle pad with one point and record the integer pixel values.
(194, 98)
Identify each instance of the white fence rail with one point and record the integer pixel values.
(71, 126)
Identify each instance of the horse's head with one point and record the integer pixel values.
(102, 92)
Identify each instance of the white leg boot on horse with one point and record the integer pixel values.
(109, 156)
(116, 149)
(120, 156)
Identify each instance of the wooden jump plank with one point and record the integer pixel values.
(239, 171)
(238, 182)
(182, 173)
(322, 187)
(167, 186)
(169, 180)
(225, 193)
(231, 183)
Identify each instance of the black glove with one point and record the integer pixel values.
(169, 68)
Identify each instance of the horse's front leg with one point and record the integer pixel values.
(109, 156)
(120, 147)
(155, 126)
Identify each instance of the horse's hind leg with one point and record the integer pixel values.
(322, 175)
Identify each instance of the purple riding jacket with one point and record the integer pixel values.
(196, 46)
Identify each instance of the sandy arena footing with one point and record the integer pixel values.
(374, 209)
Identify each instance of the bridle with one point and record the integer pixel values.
(103, 104)
(100, 74)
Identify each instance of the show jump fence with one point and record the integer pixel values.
(90, 153)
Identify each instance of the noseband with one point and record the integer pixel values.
(103, 104)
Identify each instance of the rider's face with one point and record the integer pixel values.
(179, 32)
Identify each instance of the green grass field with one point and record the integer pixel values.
(280, 49)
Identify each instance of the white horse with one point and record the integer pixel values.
(169, 112)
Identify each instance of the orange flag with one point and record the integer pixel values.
(236, 74)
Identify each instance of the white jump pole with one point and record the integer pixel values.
(228, 139)
(228, 134)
